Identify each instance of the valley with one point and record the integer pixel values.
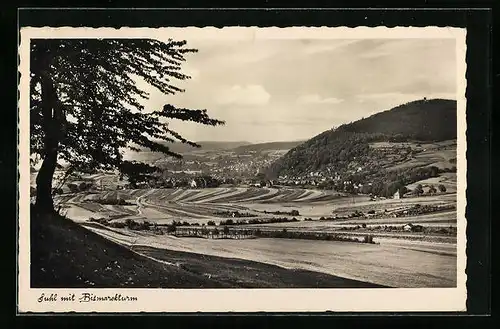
(373, 201)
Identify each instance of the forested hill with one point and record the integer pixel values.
(424, 120)
(347, 147)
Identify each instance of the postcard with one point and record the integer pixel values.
(242, 169)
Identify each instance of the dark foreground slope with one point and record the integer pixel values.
(64, 254)
(67, 255)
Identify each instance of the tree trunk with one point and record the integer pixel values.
(52, 120)
(44, 201)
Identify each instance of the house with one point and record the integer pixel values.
(413, 228)
(408, 227)
(396, 195)
(193, 184)
(142, 185)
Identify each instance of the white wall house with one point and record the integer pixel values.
(396, 195)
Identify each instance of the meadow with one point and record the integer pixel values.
(389, 264)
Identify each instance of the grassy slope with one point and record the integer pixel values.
(65, 254)
(248, 274)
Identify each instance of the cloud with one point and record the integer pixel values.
(316, 99)
(192, 72)
(377, 54)
(315, 48)
(273, 84)
(243, 95)
(254, 55)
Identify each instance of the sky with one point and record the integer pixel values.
(295, 88)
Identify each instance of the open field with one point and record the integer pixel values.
(440, 154)
(202, 205)
(390, 262)
(449, 180)
(162, 206)
(440, 219)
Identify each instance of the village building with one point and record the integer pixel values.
(413, 228)
(408, 227)
(397, 195)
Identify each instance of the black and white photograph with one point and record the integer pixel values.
(206, 169)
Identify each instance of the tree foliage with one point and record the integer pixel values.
(419, 189)
(86, 103)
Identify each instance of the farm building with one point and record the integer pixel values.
(142, 185)
(408, 227)
(412, 228)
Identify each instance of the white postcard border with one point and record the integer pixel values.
(244, 300)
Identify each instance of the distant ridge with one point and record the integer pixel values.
(268, 146)
(206, 146)
(238, 146)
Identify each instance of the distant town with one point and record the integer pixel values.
(246, 168)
